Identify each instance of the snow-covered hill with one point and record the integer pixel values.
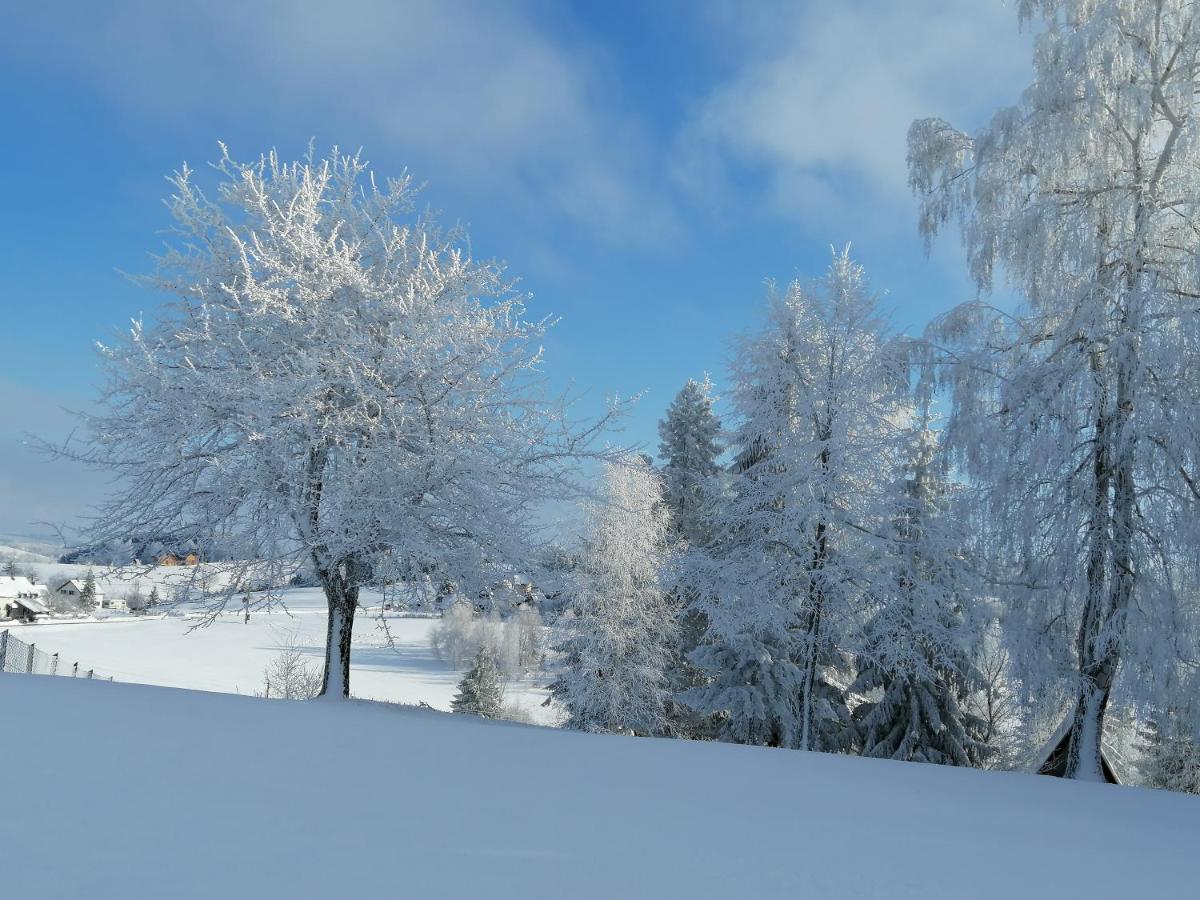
(27, 551)
(117, 790)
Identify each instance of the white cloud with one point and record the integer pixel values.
(821, 99)
(475, 91)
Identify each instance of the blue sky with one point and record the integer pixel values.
(641, 167)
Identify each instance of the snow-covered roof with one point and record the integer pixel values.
(12, 586)
(77, 585)
(34, 606)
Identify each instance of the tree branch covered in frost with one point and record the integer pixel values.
(335, 381)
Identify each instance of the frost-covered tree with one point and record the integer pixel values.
(689, 448)
(336, 382)
(87, 594)
(135, 600)
(290, 675)
(803, 528)
(621, 627)
(1080, 414)
(916, 666)
(481, 691)
(1170, 753)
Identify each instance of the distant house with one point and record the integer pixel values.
(21, 599)
(173, 559)
(73, 588)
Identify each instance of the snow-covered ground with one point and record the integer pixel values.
(117, 790)
(231, 656)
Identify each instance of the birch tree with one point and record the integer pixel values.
(335, 382)
(789, 574)
(1078, 414)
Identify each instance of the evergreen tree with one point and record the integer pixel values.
(622, 624)
(798, 536)
(153, 600)
(915, 659)
(481, 691)
(87, 596)
(689, 449)
(10, 568)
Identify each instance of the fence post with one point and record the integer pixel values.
(32, 654)
(75, 670)
(3, 648)
(54, 664)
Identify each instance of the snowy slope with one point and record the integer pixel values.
(126, 790)
(26, 553)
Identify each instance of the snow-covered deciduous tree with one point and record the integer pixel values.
(1170, 753)
(337, 383)
(916, 666)
(997, 703)
(290, 675)
(531, 636)
(803, 528)
(621, 630)
(481, 691)
(135, 600)
(1080, 414)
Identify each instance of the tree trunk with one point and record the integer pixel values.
(1111, 572)
(808, 725)
(1084, 761)
(342, 599)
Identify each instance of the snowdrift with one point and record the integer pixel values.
(119, 790)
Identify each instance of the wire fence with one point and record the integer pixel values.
(18, 656)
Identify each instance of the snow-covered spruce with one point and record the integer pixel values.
(621, 624)
(1079, 416)
(481, 691)
(87, 594)
(690, 449)
(803, 529)
(336, 383)
(915, 665)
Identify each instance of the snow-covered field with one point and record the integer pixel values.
(231, 656)
(116, 790)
